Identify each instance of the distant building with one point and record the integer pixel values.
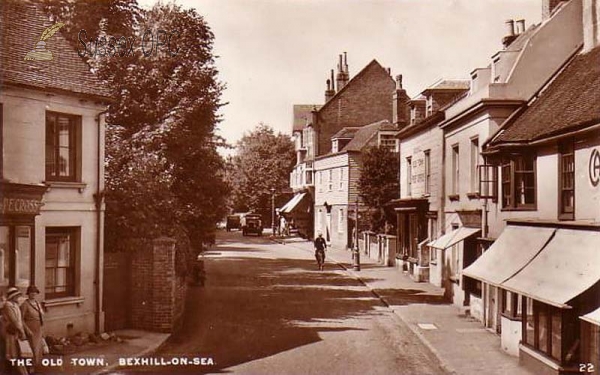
(52, 169)
(355, 102)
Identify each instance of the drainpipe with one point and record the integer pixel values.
(98, 199)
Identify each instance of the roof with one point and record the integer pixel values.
(347, 132)
(20, 30)
(569, 103)
(366, 133)
(449, 84)
(302, 115)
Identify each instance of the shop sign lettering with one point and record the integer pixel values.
(594, 167)
(20, 206)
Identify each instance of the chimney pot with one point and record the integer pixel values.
(510, 27)
(399, 82)
(520, 26)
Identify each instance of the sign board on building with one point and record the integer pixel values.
(594, 167)
(418, 173)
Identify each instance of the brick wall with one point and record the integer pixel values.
(366, 99)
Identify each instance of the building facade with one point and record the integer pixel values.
(52, 166)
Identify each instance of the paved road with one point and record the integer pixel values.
(266, 309)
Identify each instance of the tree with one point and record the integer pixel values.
(378, 183)
(164, 175)
(263, 162)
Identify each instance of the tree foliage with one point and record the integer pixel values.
(263, 162)
(163, 173)
(378, 183)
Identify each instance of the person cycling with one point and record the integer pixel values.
(320, 246)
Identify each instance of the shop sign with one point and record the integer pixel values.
(20, 206)
(594, 167)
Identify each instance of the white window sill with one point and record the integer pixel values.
(63, 301)
(66, 185)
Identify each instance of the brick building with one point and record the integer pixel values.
(52, 169)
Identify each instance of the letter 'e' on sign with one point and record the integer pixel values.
(594, 167)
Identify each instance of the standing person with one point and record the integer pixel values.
(282, 224)
(320, 246)
(14, 328)
(33, 318)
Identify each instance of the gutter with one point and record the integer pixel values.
(98, 199)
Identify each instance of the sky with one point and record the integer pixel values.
(273, 54)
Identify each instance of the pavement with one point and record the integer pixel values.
(104, 358)
(461, 343)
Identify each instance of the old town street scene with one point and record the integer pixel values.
(300, 187)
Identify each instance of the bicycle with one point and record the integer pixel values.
(320, 256)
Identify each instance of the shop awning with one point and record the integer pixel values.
(453, 237)
(292, 203)
(515, 247)
(568, 266)
(593, 317)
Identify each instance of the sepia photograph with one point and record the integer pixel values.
(300, 187)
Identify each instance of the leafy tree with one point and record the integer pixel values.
(378, 183)
(164, 175)
(263, 162)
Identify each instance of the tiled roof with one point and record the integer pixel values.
(570, 102)
(365, 134)
(347, 132)
(20, 30)
(302, 115)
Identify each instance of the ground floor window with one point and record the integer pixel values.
(543, 330)
(510, 304)
(16, 249)
(62, 249)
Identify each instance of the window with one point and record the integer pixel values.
(330, 180)
(455, 170)
(409, 176)
(475, 162)
(567, 181)
(340, 220)
(341, 186)
(432, 236)
(388, 142)
(63, 145)
(427, 172)
(334, 146)
(510, 304)
(16, 248)
(518, 182)
(62, 248)
(542, 329)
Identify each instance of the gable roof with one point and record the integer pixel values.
(21, 27)
(352, 81)
(366, 133)
(347, 132)
(302, 115)
(569, 103)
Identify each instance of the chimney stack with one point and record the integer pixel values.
(400, 114)
(548, 7)
(520, 26)
(330, 92)
(343, 76)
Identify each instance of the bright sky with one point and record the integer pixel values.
(276, 53)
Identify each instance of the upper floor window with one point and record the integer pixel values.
(330, 180)
(518, 182)
(567, 180)
(475, 162)
(389, 142)
(341, 185)
(409, 176)
(427, 172)
(63, 147)
(455, 170)
(334, 145)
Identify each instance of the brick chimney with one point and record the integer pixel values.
(342, 76)
(591, 26)
(400, 114)
(330, 92)
(547, 7)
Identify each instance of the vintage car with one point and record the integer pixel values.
(233, 222)
(252, 223)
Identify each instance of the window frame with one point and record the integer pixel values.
(12, 226)
(75, 132)
(566, 150)
(330, 180)
(455, 170)
(475, 163)
(427, 155)
(74, 234)
(509, 184)
(409, 176)
(341, 182)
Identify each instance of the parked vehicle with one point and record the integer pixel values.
(252, 223)
(233, 222)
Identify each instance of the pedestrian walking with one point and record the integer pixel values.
(15, 330)
(320, 246)
(33, 319)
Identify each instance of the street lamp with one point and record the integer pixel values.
(273, 210)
